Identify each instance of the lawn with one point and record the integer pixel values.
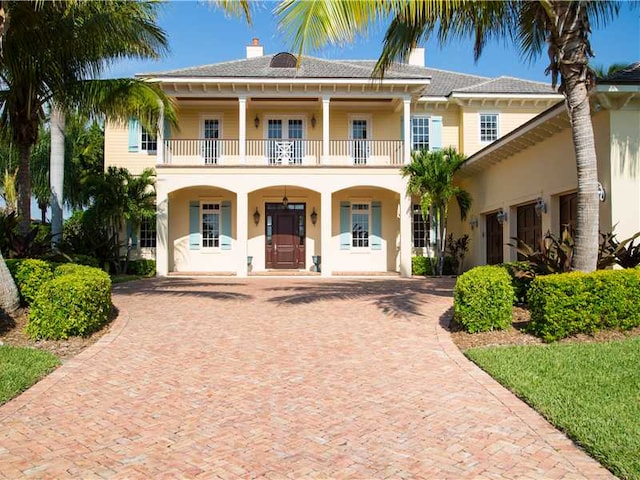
(591, 391)
(22, 367)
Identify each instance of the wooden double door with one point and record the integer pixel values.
(285, 236)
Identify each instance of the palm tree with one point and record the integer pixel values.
(431, 178)
(140, 204)
(601, 71)
(47, 51)
(9, 297)
(558, 27)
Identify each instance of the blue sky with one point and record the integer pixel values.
(200, 34)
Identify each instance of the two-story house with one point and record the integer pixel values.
(274, 167)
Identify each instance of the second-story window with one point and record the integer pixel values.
(488, 127)
(419, 133)
(148, 142)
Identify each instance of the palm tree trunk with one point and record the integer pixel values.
(23, 181)
(9, 297)
(586, 242)
(56, 173)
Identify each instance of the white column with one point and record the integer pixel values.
(407, 129)
(162, 229)
(405, 234)
(325, 129)
(160, 134)
(325, 234)
(242, 229)
(242, 129)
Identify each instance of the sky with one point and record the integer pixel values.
(200, 34)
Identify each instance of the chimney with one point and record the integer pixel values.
(416, 57)
(255, 49)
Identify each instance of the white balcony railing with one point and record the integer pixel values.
(282, 152)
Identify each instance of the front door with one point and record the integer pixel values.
(285, 236)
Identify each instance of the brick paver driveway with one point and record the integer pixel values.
(273, 377)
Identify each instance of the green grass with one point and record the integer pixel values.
(589, 391)
(22, 367)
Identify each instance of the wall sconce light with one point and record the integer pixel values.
(501, 216)
(314, 216)
(313, 120)
(541, 206)
(256, 217)
(256, 121)
(473, 223)
(285, 200)
(602, 193)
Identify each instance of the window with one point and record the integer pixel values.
(210, 224)
(360, 225)
(148, 233)
(211, 133)
(419, 133)
(148, 142)
(360, 146)
(488, 127)
(420, 228)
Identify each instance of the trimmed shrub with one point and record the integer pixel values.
(422, 266)
(483, 299)
(143, 267)
(570, 303)
(30, 274)
(87, 260)
(12, 265)
(72, 304)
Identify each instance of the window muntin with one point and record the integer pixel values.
(210, 224)
(148, 142)
(148, 233)
(419, 133)
(211, 147)
(488, 127)
(359, 136)
(420, 228)
(360, 222)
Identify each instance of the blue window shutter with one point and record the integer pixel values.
(167, 129)
(435, 133)
(194, 225)
(345, 226)
(134, 128)
(376, 226)
(225, 230)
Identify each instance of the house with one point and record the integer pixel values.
(524, 184)
(273, 167)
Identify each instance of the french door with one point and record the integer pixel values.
(211, 145)
(285, 146)
(359, 133)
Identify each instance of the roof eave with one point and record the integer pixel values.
(287, 80)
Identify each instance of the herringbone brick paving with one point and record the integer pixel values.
(279, 378)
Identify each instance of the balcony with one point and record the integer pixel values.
(282, 153)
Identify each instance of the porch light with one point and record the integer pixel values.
(285, 200)
(256, 121)
(314, 216)
(501, 216)
(541, 206)
(256, 217)
(473, 223)
(602, 193)
(313, 120)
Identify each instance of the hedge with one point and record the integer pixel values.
(483, 299)
(422, 266)
(30, 274)
(142, 267)
(570, 303)
(76, 302)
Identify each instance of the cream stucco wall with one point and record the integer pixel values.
(116, 150)
(509, 118)
(548, 170)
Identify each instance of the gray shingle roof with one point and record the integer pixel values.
(508, 85)
(442, 82)
(630, 74)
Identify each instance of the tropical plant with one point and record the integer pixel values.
(457, 249)
(430, 177)
(623, 253)
(68, 42)
(602, 72)
(557, 27)
(553, 256)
